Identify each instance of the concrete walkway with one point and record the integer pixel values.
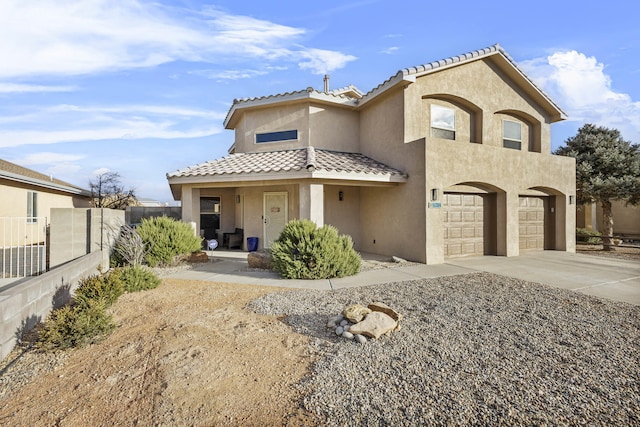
(603, 277)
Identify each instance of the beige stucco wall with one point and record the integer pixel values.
(345, 214)
(478, 87)
(392, 218)
(319, 125)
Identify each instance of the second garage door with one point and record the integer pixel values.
(531, 222)
(463, 224)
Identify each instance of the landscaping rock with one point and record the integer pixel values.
(360, 338)
(198, 257)
(348, 335)
(356, 312)
(384, 308)
(259, 260)
(374, 325)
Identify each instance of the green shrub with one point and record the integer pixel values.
(166, 240)
(304, 251)
(588, 236)
(138, 278)
(76, 326)
(107, 288)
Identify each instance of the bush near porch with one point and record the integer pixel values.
(304, 251)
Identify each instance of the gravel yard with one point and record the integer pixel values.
(473, 349)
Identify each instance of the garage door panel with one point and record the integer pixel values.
(531, 223)
(464, 224)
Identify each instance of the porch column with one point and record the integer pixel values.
(312, 202)
(191, 206)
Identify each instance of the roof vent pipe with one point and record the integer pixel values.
(326, 83)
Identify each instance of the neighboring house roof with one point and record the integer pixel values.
(13, 172)
(306, 162)
(352, 97)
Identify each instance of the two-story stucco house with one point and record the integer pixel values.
(445, 159)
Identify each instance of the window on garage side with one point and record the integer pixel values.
(443, 122)
(511, 134)
(285, 135)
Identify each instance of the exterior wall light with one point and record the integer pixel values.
(340, 195)
(572, 199)
(434, 194)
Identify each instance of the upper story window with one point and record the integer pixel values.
(32, 206)
(443, 122)
(511, 134)
(285, 135)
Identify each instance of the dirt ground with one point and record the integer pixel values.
(619, 252)
(186, 353)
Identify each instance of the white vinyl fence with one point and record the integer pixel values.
(23, 246)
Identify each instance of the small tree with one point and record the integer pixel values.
(607, 169)
(107, 191)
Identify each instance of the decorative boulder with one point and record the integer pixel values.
(384, 308)
(259, 260)
(198, 257)
(374, 325)
(356, 312)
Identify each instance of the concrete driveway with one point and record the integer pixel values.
(610, 278)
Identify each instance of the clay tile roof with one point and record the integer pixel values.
(309, 158)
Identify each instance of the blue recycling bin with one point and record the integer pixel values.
(252, 244)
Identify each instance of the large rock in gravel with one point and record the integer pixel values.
(374, 325)
(259, 260)
(356, 312)
(384, 308)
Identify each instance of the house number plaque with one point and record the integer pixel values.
(275, 209)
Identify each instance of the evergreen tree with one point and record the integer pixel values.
(607, 169)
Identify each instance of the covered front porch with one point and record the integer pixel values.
(256, 194)
(262, 211)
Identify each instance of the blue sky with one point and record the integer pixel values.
(142, 87)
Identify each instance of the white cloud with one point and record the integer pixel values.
(43, 158)
(72, 123)
(390, 50)
(71, 37)
(221, 75)
(100, 171)
(29, 88)
(323, 61)
(579, 84)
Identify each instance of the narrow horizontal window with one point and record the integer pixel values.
(443, 122)
(511, 134)
(285, 135)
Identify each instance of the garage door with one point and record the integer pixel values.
(531, 221)
(463, 224)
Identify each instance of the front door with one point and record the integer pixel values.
(274, 216)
